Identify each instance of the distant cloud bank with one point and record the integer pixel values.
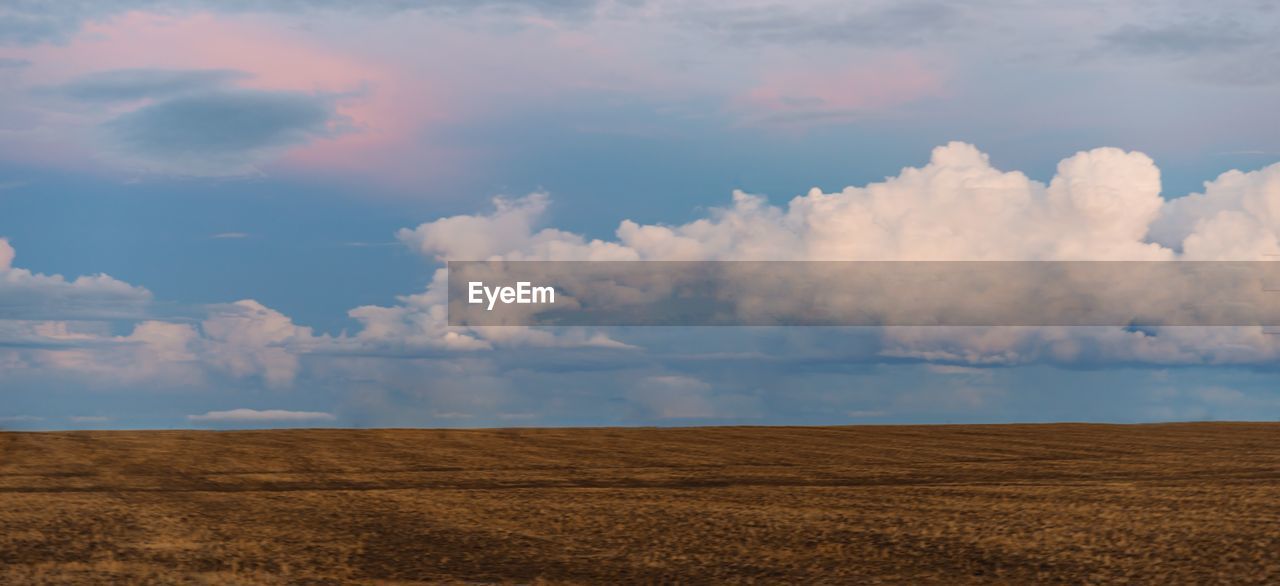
(250, 415)
(1103, 204)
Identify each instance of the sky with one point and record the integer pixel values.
(236, 214)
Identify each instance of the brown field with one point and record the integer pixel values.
(1178, 503)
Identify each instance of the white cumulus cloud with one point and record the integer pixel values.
(54, 324)
(240, 415)
(1103, 204)
(247, 338)
(28, 295)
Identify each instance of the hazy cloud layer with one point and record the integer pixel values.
(865, 23)
(34, 21)
(1182, 40)
(138, 84)
(345, 90)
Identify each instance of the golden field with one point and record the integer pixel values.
(1070, 503)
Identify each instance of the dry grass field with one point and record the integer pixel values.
(1178, 503)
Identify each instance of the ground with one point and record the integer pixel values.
(1176, 503)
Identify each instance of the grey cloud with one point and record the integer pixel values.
(897, 24)
(31, 341)
(1183, 39)
(31, 297)
(223, 132)
(197, 122)
(1260, 69)
(1219, 48)
(6, 63)
(136, 84)
(28, 22)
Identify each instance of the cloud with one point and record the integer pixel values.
(865, 414)
(153, 352)
(478, 237)
(32, 296)
(1217, 45)
(254, 415)
(951, 369)
(1213, 402)
(198, 121)
(48, 322)
(27, 23)
(1184, 39)
(800, 95)
(242, 340)
(951, 398)
(223, 132)
(137, 84)
(1236, 216)
(9, 63)
(247, 338)
(230, 235)
(900, 23)
(30, 23)
(957, 207)
(1103, 204)
(1010, 346)
(421, 321)
(675, 397)
(20, 419)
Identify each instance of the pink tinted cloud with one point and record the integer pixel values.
(380, 109)
(809, 95)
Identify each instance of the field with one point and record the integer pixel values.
(1176, 503)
